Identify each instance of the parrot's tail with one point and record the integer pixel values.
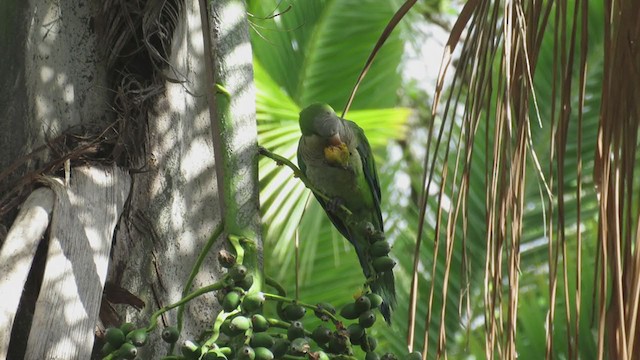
(384, 285)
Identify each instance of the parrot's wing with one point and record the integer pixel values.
(369, 170)
(336, 220)
(301, 164)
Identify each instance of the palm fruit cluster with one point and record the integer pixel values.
(243, 332)
(123, 342)
(379, 249)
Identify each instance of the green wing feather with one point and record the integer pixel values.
(383, 284)
(369, 171)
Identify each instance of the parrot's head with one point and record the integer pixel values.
(320, 120)
(320, 123)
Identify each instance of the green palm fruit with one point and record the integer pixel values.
(246, 283)
(324, 306)
(115, 337)
(128, 351)
(280, 347)
(259, 323)
(231, 301)
(226, 329)
(369, 343)
(246, 353)
(376, 300)
(362, 304)
(371, 356)
(293, 312)
(389, 356)
(127, 328)
(356, 332)
(238, 272)
(367, 319)
(263, 354)
(383, 264)
(137, 337)
(240, 323)
(261, 340)
(380, 248)
(416, 355)
(349, 311)
(170, 334)
(321, 335)
(107, 349)
(295, 330)
(338, 344)
(252, 302)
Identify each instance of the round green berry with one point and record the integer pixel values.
(246, 353)
(170, 334)
(261, 340)
(293, 312)
(376, 300)
(349, 311)
(137, 337)
(369, 343)
(362, 304)
(231, 301)
(240, 323)
(127, 328)
(371, 356)
(259, 323)
(128, 351)
(326, 307)
(367, 319)
(295, 330)
(252, 302)
(238, 272)
(115, 337)
(382, 264)
(321, 335)
(380, 248)
(280, 347)
(245, 283)
(263, 354)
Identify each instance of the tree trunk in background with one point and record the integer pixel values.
(54, 77)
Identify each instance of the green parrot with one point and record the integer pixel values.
(334, 154)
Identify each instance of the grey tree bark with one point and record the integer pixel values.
(54, 77)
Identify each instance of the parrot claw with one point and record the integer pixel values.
(376, 236)
(334, 205)
(369, 230)
(370, 279)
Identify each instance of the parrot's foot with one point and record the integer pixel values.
(370, 280)
(371, 233)
(334, 205)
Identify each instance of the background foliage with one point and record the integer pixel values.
(512, 237)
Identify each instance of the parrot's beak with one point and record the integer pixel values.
(334, 140)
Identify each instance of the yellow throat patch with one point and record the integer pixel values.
(337, 155)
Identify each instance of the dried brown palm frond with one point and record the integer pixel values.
(491, 105)
(616, 160)
(136, 36)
